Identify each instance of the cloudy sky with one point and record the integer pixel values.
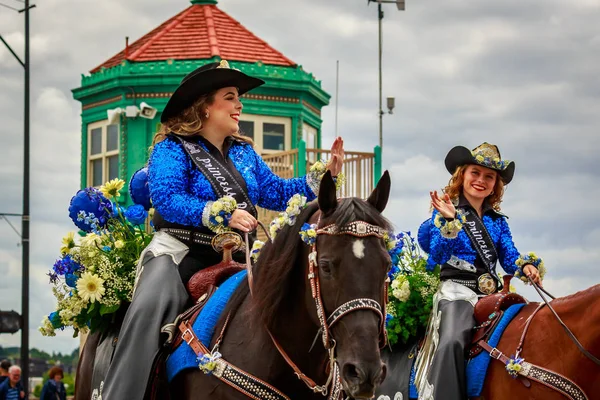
(522, 75)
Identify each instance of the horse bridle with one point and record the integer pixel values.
(358, 229)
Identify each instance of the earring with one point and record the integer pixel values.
(206, 115)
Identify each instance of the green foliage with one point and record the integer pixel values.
(411, 291)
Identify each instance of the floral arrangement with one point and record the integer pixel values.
(256, 248)
(514, 366)
(411, 289)
(295, 205)
(494, 162)
(216, 214)
(308, 233)
(316, 172)
(529, 258)
(94, 277)
(450, 229)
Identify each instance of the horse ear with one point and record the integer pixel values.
(381, 194)
(327, 197)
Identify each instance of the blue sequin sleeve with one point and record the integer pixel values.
(440, 248)
(276, 191)
(507, 252)
(170, 188)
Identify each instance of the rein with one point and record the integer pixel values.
(571, 335)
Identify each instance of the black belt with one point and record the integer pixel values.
(185, 235)
(484, 283)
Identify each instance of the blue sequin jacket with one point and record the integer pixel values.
(180, 191)
(440, 248)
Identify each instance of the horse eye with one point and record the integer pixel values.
(325, 266)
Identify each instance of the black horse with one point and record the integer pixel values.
(349, 268)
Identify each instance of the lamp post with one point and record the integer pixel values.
(401, 6)
(25, 215)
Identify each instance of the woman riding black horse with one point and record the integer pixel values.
(204, 179)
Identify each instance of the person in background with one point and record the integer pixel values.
(54, 389)
(11, 388)
(4, 366)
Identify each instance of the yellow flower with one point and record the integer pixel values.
(90, 287)
(216, 207)
(91, 240)
(111, 188)
(119, 244)
(68, 243)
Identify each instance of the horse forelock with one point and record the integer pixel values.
(278, 261)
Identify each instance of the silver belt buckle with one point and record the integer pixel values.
(486, 284)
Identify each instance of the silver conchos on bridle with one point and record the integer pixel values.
(358, 229)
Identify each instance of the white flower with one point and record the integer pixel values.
(401, 288)
(90, 287)
(46, 329)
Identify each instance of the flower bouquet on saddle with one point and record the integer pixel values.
(412, 284)
(94, 277)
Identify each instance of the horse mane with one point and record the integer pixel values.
(591, 292)
(274, 273)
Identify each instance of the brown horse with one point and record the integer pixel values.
(547, 345)
(349, 268)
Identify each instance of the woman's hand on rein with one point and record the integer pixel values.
(443, 205)
(243, 220)
(337, 156)
(532, 272)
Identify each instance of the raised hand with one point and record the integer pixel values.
(443, 205)
(337, 156)
(243, 220)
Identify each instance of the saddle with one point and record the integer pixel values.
(201, 286)
(488, 312)
(200, 283)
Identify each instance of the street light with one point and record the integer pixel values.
(10, 322)
(401, 7)
(391, 103)
(25, 216)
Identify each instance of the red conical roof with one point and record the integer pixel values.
(199, 32)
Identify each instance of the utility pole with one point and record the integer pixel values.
(25, 214)
(401, 6)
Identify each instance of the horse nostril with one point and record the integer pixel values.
(352, 373)
(383, 373)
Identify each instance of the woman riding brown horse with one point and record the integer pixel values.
(547, 345)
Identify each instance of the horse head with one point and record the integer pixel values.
(351, 264)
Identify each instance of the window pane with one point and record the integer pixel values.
(113, 167)
(112, 137)
(247, 129)
(96, 166)
(273, 136)
(96, 139)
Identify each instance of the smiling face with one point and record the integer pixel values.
(224, 112)
(478, 182)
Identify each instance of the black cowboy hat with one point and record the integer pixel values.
(487, 155)
(206, 79)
